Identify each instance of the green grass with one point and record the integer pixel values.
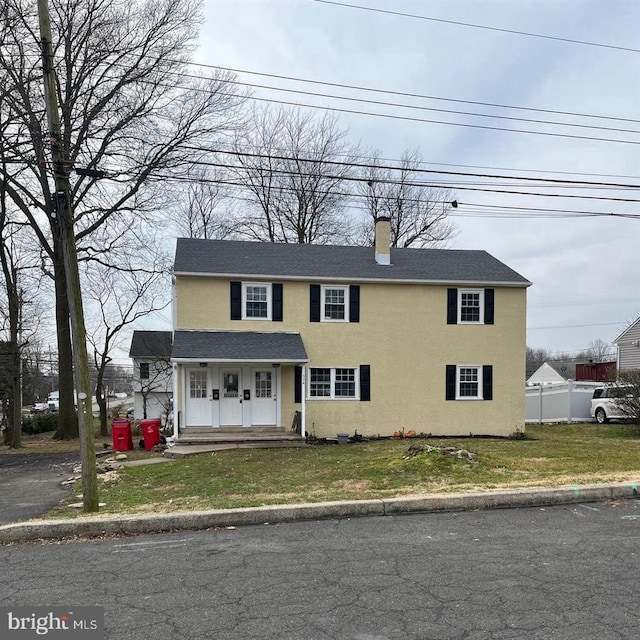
(552, 455)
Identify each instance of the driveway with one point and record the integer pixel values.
(30, 483)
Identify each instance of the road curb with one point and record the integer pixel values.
(96, 526)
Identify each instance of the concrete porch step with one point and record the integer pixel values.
(201, 440)
(193, 447)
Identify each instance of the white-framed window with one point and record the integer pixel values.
(468, 382)
(198, 384)
(144, 371)
(335, 303)
(333, 383)
(470, 306)
(256, 301)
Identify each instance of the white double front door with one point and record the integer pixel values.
(231, 396)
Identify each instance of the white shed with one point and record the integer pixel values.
(545, 374)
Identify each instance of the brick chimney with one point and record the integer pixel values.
(383, 241)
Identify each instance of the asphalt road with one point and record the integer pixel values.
(30, 483)
(567, 573)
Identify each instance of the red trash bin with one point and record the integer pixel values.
(150, 432)
(121, 435)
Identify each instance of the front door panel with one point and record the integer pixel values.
(198, 402)
(264, 397)
(230, 399)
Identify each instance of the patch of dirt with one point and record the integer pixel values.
(352, 485)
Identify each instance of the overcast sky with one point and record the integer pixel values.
(585, 270)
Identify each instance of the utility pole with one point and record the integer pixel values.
(61, 209)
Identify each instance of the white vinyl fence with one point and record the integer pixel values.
(563, 402)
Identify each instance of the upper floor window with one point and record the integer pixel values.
(335, 302)
(144, 371)
(470, 306)
(256, 301)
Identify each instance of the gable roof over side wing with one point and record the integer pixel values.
(150, 344)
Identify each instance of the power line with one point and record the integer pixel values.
(527, 212)
(557, 181)
(480, 26)
(583, 303)
(411, 106)
(409, 94)
(575, 326)
(440, 122)
(414, 184)
(405, 118)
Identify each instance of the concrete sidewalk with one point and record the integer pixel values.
(96, 526)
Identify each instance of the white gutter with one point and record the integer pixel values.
(356, 279)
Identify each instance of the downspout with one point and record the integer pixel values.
(303, 412)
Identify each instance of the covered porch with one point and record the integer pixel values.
(237, 387)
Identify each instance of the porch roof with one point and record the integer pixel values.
(238, 346)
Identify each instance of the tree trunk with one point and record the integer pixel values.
(102, 403)
(15, 402)
(67, 416)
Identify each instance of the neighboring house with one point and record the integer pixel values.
(628, 343)
(552, 373)
(152, 373)
(346, 339)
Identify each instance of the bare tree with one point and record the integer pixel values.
(155, 385)
(122, 296)
(626, 390)
(127, 107)
(201, 212)
(285, 164)
(419, 214)
(18, 287)
(600, 351)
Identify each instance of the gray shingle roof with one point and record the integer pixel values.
(244, 346)
(306, 261)
(150, 344)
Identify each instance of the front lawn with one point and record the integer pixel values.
(552, 455)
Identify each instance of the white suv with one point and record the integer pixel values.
(604, 406)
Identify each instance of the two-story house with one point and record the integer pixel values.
(628, 344)
(373, 340)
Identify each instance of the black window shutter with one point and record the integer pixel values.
(452, 306)
(487, 382)
(276, 311)
(236, 301)
(365, 382)
(297, 394)
(450, 381)
(314, 303)
(488, 306)
(354, 303)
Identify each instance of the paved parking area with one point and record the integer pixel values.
(30, 483)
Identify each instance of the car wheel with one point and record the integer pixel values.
(601, 416)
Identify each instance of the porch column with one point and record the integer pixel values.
(303, 427)
(175, 403)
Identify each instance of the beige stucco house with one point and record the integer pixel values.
(373, 340)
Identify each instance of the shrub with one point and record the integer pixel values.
(40, 423)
